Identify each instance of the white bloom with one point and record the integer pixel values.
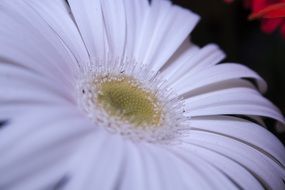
(174, 126)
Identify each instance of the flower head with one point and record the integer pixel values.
(111, 94)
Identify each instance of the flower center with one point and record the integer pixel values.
(123, 97)
(128, 98)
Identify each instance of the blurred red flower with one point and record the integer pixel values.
(271, 13)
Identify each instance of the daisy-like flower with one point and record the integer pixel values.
(111, 94)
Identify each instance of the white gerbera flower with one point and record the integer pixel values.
(110, 94)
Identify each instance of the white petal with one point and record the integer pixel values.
(241, 101)
(22, 88)
(267, 171)
(57, 16)
(177, 175)
(89, 19)
(203, 169)
(125, 165)
(194, 60)
(179, 59)
(37, 48)
(244, 131)
(42, 144)
(162, 32)
(212, 75)
(235, 172)
(137, 170)
(115, 25)
(45, 174)
(13, 77)
(229, 84)
(98, 163)
(135, 11)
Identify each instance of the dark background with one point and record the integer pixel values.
(243, 42)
